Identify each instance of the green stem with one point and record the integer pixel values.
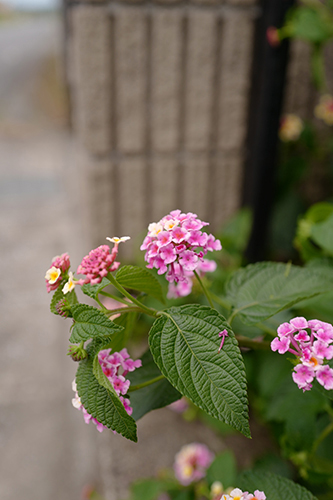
(322, 436)
(145, 309)
(204, 289)
(121, 310)
(145, 384)
(114, 297)
(253, 344)
(219, 300)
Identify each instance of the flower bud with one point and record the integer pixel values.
(64, 309)
(77, 352)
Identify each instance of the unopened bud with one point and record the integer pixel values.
(64, 309)
(272, 35)
(77, 352)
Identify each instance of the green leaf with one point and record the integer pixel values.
(311, 25)
(275, 487)
(101, 401)
(184, 342)
(223, 469)
(59, 295)
(322, 234)
(89, 322)
(137, 278)
(128, 322)
(261, 290)
(157, 395)
(146, 489)
(93, 290)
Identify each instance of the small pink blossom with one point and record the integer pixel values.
(303, 376)
(281, 346)
(311, 349)
(98, 263)
(57, 272)
(176, 246)
(324, 375)
(191, 463)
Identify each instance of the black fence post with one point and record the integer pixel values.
(267, 86)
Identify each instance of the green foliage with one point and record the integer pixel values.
(89, 322)
(236, 232)
(93, 290)
(223, 469)
(157, 395)
(311, 232)
(261, 290)
(59, 295)
(184, 342)
(275, 487)
(140, 279)
(311, 24)
(99, 397)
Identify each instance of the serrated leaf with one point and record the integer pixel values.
(261, 290)
(93, 290)
(103, 404)
(59, 295)
(157, 395)
(89, 322)
(275, 487)
(184, 342)
(140, 279)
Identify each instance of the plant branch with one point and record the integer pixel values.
(145, 384)
(145, 309)
(253, 344)
(204, 289)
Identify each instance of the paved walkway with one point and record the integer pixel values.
(47, 452)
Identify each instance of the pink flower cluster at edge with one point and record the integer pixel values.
(310, 342)
(176, 245)
(237, 494)
(97, 264)
(61, 262)
(191, 463)
(115, 367)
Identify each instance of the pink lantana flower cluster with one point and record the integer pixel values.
(191, 463)
(76, 402)
(97, 264)
(311, 342)
(237, 494)
(57, 272)
(115, 367)
(176, 245)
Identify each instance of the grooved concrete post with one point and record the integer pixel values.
(160, 96)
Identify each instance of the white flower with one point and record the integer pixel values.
(52, 275)
(70, 285)
(117, 240)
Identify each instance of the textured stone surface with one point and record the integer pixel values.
(299, 90)
(226, 191)
(131, 78)
(195, 185)
(199, 79)
(165, 181)
(236, 54)
(124, 461)
(91, 76)
(98, 197)
(166, 75)
(132, 202)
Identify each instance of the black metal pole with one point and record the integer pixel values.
(267, 86)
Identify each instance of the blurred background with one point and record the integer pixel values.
(113, 113)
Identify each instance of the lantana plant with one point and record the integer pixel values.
(195, 349)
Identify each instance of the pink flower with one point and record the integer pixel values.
(272, 35)
(191, 463)
(176, 245)
(98, 263)
(324, 375)
(281, 346)
(311, 350)
(303, 376)
(57, 272)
